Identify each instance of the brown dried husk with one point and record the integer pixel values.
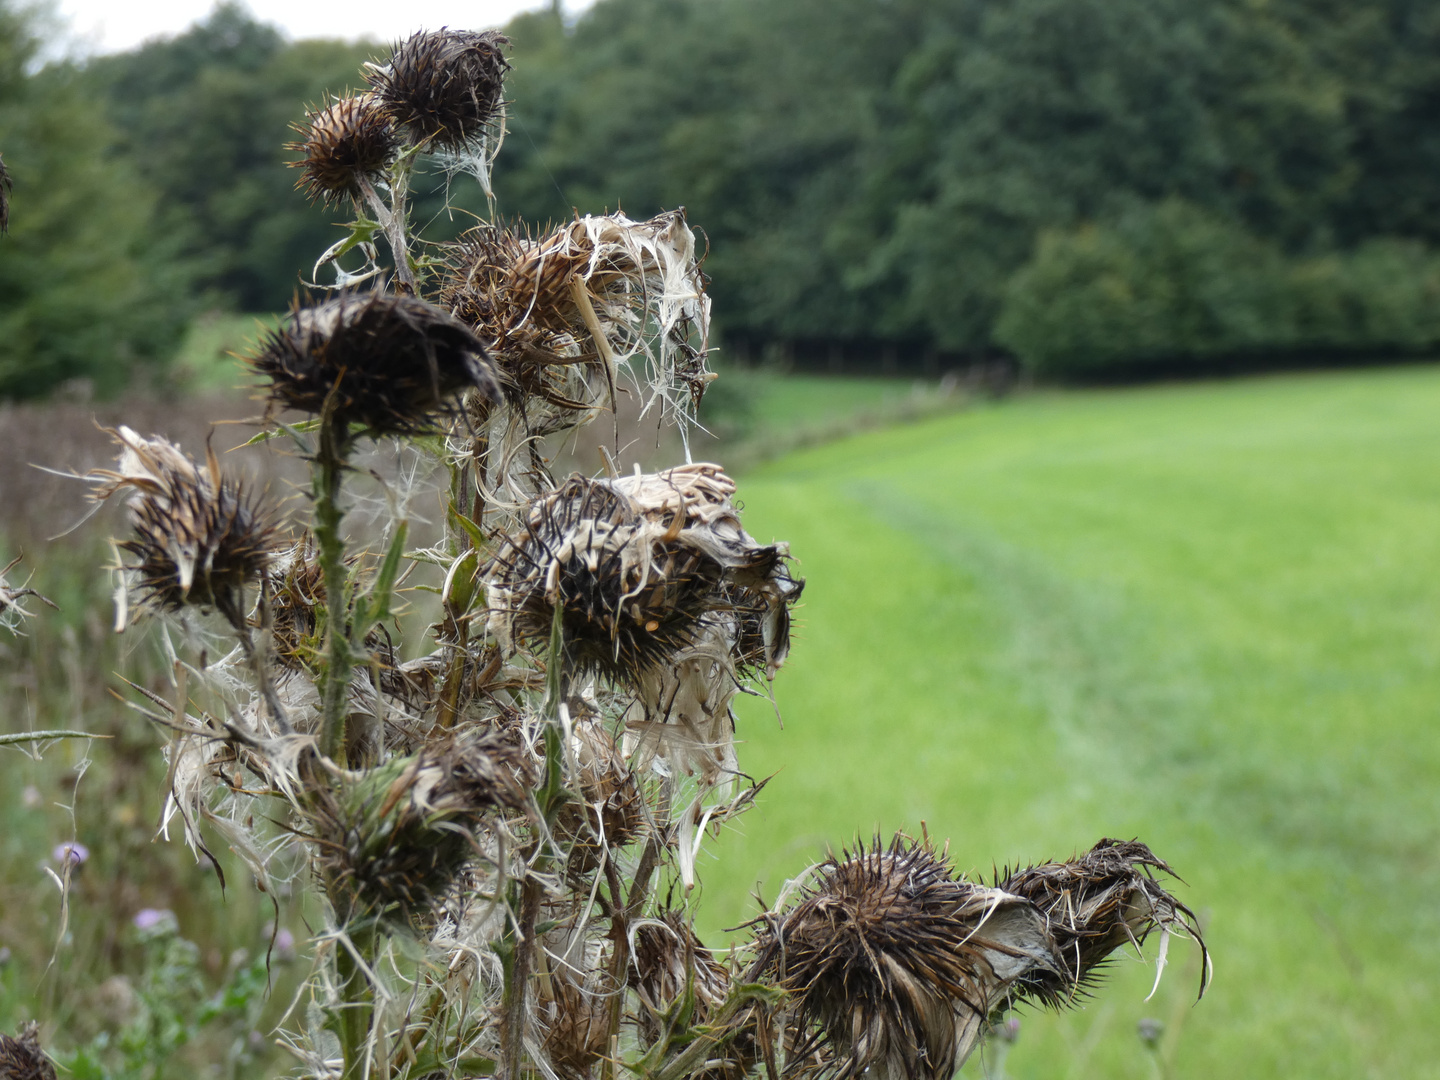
(199, 538)
(1103, 900)
(563, 315)
(895, 965)
(21, 1057)
(345, 145)
(385, 363)
(392, 843)
(445, 87)
(638, 566)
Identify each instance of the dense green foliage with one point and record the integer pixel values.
(86, 288)
(1092, 185)
(885, 170)
(1185, 613)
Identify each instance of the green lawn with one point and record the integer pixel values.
(1203, 615)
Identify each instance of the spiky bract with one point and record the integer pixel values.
(22, 1059)
(198, 538)
(446, 86)
(346, 143)
(385, 363)
(895, 963)
(392, 842)
(1093, 905)
(639, 566)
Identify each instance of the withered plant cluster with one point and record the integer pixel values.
(500, 813)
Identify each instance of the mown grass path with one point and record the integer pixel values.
(1204, 615)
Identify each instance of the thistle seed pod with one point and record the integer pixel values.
(643, 566)
(199, 540)
(344, 143)
(895, 964)
(631, 596)
(22, 1059)
(385, 363)
(666, 957)
(1095, 904)
(5, 189)
(391, 844)
(445, 86)
(577, 1027)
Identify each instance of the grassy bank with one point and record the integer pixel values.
(1203, 615)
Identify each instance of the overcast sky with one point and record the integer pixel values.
(116, 25)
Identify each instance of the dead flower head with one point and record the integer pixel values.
(345, 145)
(445, 86)
(392, 842)
(198, 539)
(637, 565)
(1107, 898)
(896, 964)
(22, 1059)
(385, 363)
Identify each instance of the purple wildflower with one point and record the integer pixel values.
(149, 917)
(71, 851)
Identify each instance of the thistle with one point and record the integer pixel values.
(22, 1059)
(445, 88)
(12, 611)
(199, 540)
(346, 146)
(392, 841)
(386, 364)
(1093, 905)
(896, 964)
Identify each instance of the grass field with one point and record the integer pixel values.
(1204, 615)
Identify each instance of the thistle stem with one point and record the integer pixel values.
(329, 465)
(356, 999)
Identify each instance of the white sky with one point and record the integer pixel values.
(116, 25)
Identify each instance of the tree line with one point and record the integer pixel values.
(1092, 186)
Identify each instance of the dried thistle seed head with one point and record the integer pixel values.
(666, 957)
(351, 141)
(631, 594)
(21, 1057)
(1107, 898)
(757, 587)
(297, 596)
(577, 1026)
(385, 363)
(896, 964)
(198, 539)
(391, 843)
(445, 86)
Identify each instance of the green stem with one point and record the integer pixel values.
(357, 999)
(329, 465)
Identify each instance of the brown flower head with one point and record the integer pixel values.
(643, 566)
(391, 844)
(385, 363)
(344, 143)
(198, 539)
(1093, 905)
(895, 964)
(445, 86)
(22, 1059)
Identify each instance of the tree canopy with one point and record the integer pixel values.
(1070, 181)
